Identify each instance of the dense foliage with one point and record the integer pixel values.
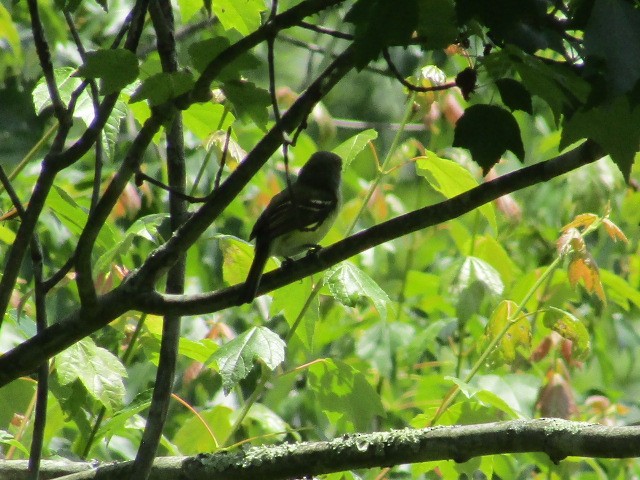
(523, 304)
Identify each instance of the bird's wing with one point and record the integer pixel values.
(306, 212)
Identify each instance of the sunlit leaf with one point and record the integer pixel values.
(350, 148)
(474, 269)
(235, 359)
(97, 369)
(614, 231)
(193, 436)
(243, 16)
(451, 179)
(347, 283)
(517, 335)
(583, 220)
(570, 328)
(582, 266)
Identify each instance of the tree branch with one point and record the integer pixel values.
(163, 23)
(27, 356)
(419, 219)
(555, 437)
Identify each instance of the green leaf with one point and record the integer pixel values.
(262, 421)
(203, 52)
(613, 35)
(7, 439)
(350, 148)
(614, 126)
(97, 369)
(488, 131)
(474, 269)
(250, 102)
(237, 257)
(241, 15)
(7, 236)
(117, 423)
(145, 227)
(344, 395)
(66, 82)
(437, 23)
(235, 359)
(193, 437)
(162, 87)
(116, 68)
(569, 327)
(111, 131)
(451, 179)
(74, 217)
(556, 84)
(619, 290)
(380, 344)
(379, 24)
(514, 95)
(517, 335)
(203, 119)
(290, 300)
(10, 39)
(347, 283)
(189, 8)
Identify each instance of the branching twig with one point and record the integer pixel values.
(27, 356)
(54, 162)
(409, 85)
(223, 159)
(556, 438)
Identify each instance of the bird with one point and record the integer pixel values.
(297, 218)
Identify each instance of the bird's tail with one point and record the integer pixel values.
(252, 282)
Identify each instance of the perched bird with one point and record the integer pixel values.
(298, 217)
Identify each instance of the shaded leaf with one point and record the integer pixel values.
(204, 51)
(514, 95)
(614, 126)
(116, 68)
(162, 87)
(379, 24)
(249, 101)
(613, 35)
(344, 395)
(488, 131)
(437, 23)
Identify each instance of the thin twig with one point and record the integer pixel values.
(326, 31)
(223, 159)
(42, 49)
(409, 85)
